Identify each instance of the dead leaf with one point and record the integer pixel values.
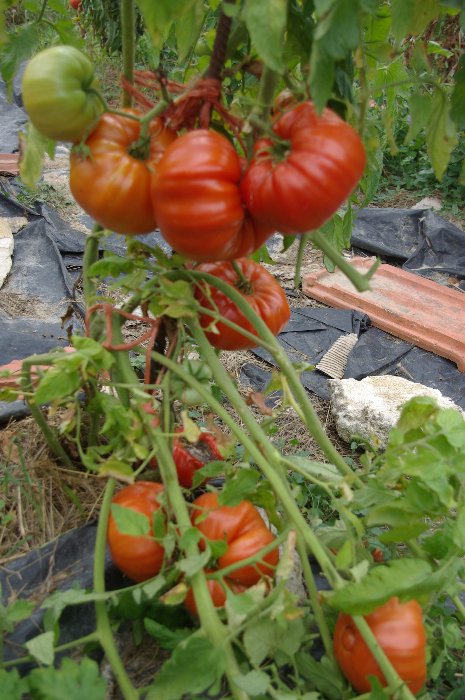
(256, 398)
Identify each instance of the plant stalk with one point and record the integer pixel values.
(360, 281)
(128, 33)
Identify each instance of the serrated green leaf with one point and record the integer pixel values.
(266, 22)
(242, 484)
(12, 686)
(194, 563)
(323, 675)
(260, 638)
(42, 648)
(321, 75)
(253, 683)
(73, 681)
(21, 45)
(194, 666)
(56, 384)
(412, 16)
(420, 107)
(159, 16)
(110, 265)
(188, 30)
(166, 638)
(34, 146)
(441, 136)
(15, 612)
(130, 522)
(457, 112)
(338, 29)
(404, 578)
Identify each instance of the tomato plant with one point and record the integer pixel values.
(217, 591)
(138, 556)
(296, 184)
(203, 225)
(260, 290)
(245, 532)
(398, 628)
(59, 93)
(111, 181)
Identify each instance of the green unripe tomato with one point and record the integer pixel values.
(57, 94)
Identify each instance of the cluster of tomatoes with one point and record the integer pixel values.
(241, 527)
(211, 205)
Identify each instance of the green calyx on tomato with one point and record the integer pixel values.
(264, 295)
(399, 630)
(138, 556)
(112, 185)
(295, 189)
(245, 533)
(59, 93)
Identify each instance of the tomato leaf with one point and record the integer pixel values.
(167, 638)
(33, 148)
(21, 44)
(457, 112)
(13, 687)
(254, 682)
(159, 16)
(42, 648)
(56, 384)
(129, 522)
(412, 16)
(441, 136)
(324, 675)
(321, 75)
(194, 563)
(194, 666)
(72, 681)
(338, 27)
(404, 578)
(241, 485)
(266, 21)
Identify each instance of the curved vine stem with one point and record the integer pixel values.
(360, 281)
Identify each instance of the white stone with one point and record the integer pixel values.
(6, 249)
(428, 203)
(370, 407)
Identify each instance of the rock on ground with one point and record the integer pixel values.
(369, 408)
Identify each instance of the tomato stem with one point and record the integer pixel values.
(268, 84)
(128, 32)
(300, 256)
(103, 622)
(220, 45)
(389, 672)
(360, 282)
(243, 284)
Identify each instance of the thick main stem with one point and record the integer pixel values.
(220, 46)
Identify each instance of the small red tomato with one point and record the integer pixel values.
(139, 557)
(263, 293)
(75, 4)
(399, 630)
(245, 532)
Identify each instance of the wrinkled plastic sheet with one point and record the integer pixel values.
(12, 117)
(312, 331)
(420, 239)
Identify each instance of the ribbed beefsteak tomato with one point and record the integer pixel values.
(112, 184)
(197, 201)
(398, 628)
(295, 188)
(264, 295)
(139, 557)
(58, 89)
(245, 532)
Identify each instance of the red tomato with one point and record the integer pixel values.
(198, 203)
(265, 296)
(245, 532)
(188, 457)
(138, 557)
(75, 4)
(399, 629)
(217, 592)
(112, 185)
(296, 189)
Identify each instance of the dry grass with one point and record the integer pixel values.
(41, 499)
